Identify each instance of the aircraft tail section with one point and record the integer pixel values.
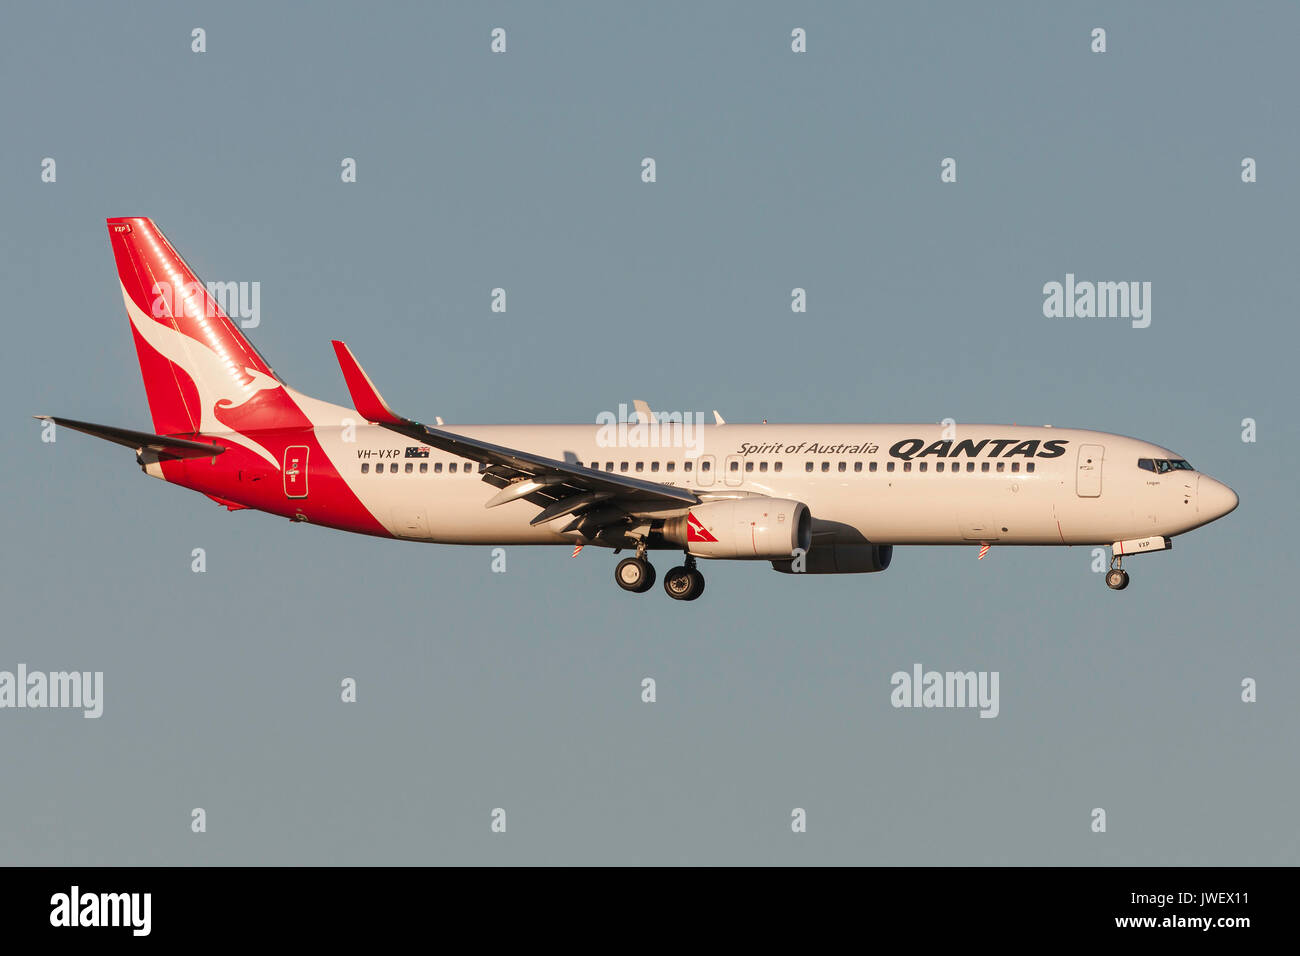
(201, 375)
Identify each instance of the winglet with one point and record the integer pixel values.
(365, 397)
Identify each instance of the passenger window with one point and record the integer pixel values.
(924, 465)
(1015, 466)
(907, 466)
(984, 466)
(938, 466)
(437, 467)
(749, 466)
(970, 466)
(808, 466)
(762, 466)
(409, 468)
(451, 467)
(669, 466)
(843, 466)
(776, 466)
(1002, 466)
(872, 466)
(640, 466)
(686, 466)
(826, 466)
(654, 466)
(365, 468)
(889, 466)
(1029, 466)
(705, 465)
(735, 466)
(622, 466)
(609, 466)
(857, 466)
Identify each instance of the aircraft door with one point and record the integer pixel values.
(731, 470)
(704, 470)
(1088, 474)
(295, 471)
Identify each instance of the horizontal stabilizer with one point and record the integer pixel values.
(141, 441)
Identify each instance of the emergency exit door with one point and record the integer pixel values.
(1088, 475)
(732, 474)
(295, 471)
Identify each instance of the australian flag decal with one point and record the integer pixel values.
(417, 451)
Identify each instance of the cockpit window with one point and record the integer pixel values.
(1162, 465)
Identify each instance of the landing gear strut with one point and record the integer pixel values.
(1117, 577)
(684, 583)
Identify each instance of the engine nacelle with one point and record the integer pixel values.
(831, 557)
(761, 529)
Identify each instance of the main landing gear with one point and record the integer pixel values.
(1117, 577)
(684, 583)
(637, 575)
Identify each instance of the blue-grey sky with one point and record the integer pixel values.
(775, 170)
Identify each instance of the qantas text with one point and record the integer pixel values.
(910, 448)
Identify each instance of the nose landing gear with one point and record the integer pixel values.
(1117, 577)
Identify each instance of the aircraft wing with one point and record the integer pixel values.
(595, 499)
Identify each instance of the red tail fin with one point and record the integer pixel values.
(195, 361)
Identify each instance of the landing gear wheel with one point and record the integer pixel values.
(1117, 579)
(684, 584)
(698, 580)
(635, 574)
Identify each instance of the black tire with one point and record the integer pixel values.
(649, 581)
(678, 584)
(683, 584)
(1116, 579)
(631, 574)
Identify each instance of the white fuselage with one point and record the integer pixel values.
(889, 484)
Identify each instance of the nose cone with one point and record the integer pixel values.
(1214, 499)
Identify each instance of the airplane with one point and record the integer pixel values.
(807, 498)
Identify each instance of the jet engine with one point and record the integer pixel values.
(833, 557)
(764, 529)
